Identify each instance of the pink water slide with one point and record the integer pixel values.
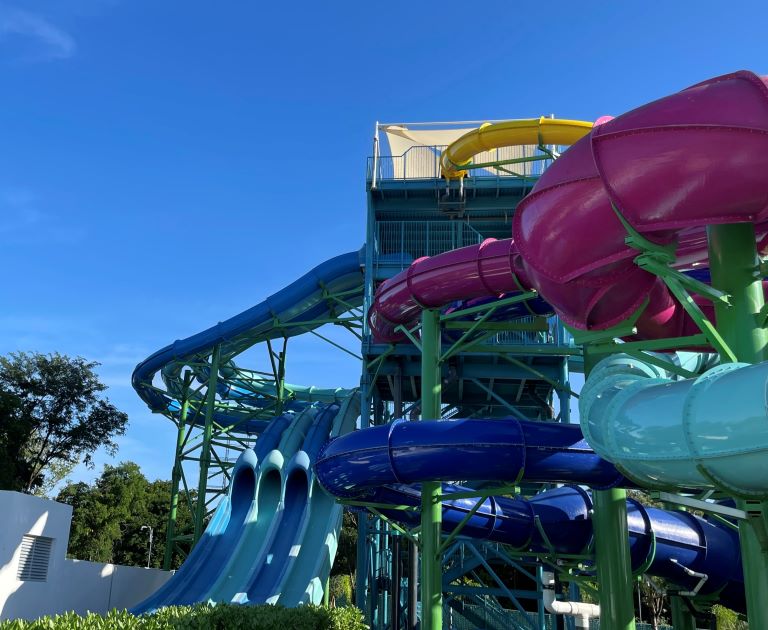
(671, 167)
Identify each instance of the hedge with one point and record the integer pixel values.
(204, 617)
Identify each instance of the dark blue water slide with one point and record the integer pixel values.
(385, 465)
(471, 450)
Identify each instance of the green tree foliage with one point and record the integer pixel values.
(346, 554)
(14, 435)
(52, 417)
(655, 603)
(108, 517)
(727, 619)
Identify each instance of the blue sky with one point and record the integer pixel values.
(164, 165)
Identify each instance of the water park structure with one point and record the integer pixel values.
(500, 258)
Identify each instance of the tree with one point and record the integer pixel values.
(53, 417)
(14, 434)
(108, 516)
(654, 600)
(346, 553)
(345, 562)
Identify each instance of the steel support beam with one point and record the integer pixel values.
(170, 536)
(735, 269)
(205, 453)
(431, 508)
(682, 619)
(614, 569)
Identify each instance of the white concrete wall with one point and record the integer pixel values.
(72, 584)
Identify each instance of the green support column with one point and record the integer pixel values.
(170, 535)
(735, 269)
(682, 619)
(205, 452)
(614, 567)
(431, 508)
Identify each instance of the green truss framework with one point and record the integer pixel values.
(212, 446)
(201, 439)
(610, 556)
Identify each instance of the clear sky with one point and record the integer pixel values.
(165, 165)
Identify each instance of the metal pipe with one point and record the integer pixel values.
(583, 612)
(151, 537)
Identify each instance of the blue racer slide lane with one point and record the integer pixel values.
(303, 300)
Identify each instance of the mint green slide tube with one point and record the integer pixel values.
(663, 431)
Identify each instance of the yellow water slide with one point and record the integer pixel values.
(531, 131)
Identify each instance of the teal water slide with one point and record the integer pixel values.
(273, 537)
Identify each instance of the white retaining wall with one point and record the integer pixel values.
(71, 584)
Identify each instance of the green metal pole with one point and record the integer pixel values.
(735, 269)
(431, 508)
(614, 567)
(170, 535)
(205, 453)
(682, 619)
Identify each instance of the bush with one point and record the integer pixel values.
(204, 617)
(727, 619)
(341, 590)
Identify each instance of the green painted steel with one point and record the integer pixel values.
(170, 537)
(614, 569)
(205, 454)
(735, 269)
(431, 509)
(682, 619)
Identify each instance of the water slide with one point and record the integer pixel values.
(671, 167)
(663, 172)
(308, 299)
(240, 556)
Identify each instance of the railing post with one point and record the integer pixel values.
(431, 507)
(735, 269)
(375, 155)
(205, 452)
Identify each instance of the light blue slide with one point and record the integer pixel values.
(240, 556)
(275, 535)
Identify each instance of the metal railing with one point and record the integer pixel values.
(423, 162)
(557, 335)
(490, 617)
(423, 238)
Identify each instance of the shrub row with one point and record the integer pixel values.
(204, 617)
